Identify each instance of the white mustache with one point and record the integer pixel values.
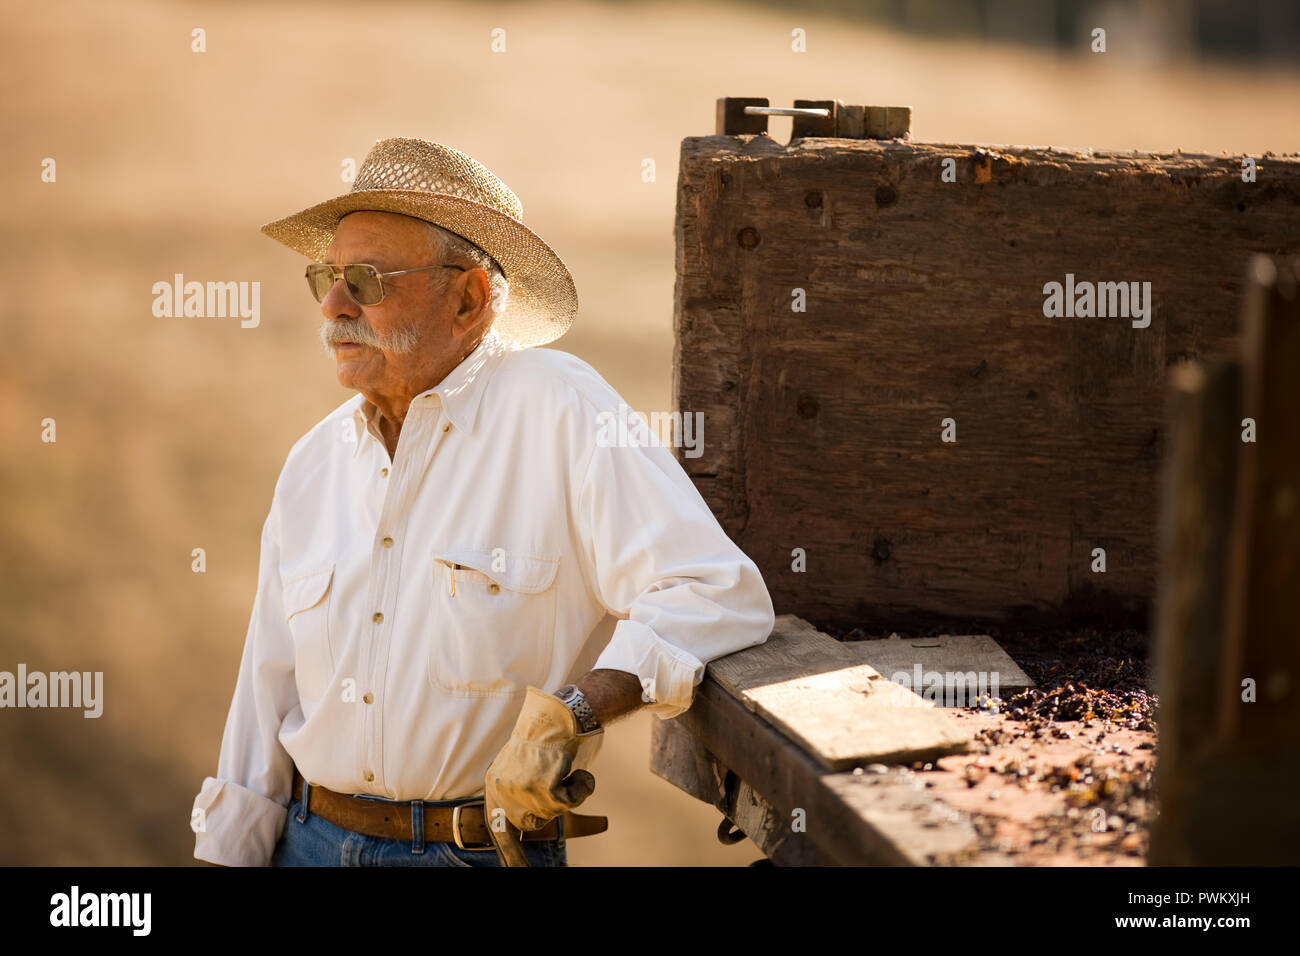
(335, 332)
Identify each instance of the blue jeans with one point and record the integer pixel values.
(310, 840)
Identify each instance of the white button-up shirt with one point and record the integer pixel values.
(404, 606)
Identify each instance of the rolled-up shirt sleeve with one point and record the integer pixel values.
(239, 814)
(660, 560)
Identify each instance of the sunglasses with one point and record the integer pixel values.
(365, 283)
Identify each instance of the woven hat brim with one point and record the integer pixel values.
(543, 301)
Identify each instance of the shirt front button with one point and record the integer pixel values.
(379, 618)
(388, 542)
(445, 429)
(493, 588)
(384, 472)
(369, 776)
(369, 698)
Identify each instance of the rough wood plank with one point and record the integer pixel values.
(925, 301)
(679, 757)
(771, 830)
(952, 669)
(841, 711)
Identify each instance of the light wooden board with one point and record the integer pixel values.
(951, 669)
(842, 712)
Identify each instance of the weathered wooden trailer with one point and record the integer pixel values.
(934, 383)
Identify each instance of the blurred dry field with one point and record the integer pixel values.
(171, 432)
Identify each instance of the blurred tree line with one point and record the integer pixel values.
(1243, 30)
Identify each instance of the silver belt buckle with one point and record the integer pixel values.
(455, 825)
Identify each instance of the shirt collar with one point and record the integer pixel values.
(460, 392)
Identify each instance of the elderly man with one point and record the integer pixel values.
(422, 682)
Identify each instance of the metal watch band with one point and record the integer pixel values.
(577, 703)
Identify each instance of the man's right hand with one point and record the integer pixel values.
(539, 774)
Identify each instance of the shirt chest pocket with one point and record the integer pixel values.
(306, 599)
(493, 622)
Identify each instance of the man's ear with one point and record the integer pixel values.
(474, 303)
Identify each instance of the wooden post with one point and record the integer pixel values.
(1199, 486)
(1228, 658)
(1263, 624)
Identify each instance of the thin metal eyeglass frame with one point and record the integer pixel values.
(338, 273)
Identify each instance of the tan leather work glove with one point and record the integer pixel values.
(539, 773)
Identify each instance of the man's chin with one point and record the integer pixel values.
(350, 364)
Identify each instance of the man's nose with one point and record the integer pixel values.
(338, 303)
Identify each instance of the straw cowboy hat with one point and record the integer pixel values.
(441, 185)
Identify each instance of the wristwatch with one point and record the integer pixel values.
(572, 698)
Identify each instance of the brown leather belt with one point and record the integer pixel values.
(464, 825)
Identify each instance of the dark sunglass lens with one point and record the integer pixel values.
(319, 279)
(363, 283)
